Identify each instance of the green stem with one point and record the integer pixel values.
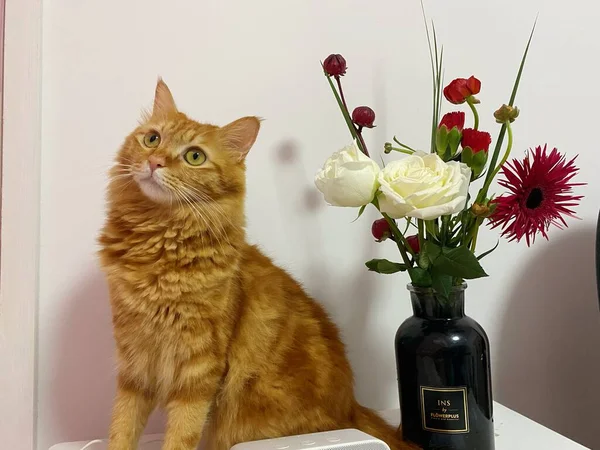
(478, 223)
(444, 232)
(430, 228)
(403, 145)
(357, 131)
(362, 141)
(421, 225)
(488, 182)
(465, 222)
(400, 240)
(513, 96)
(508, 149)
(401, 150)
(475, 113)
(339, 83)
(345, 113)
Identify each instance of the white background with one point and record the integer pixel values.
(226, 59)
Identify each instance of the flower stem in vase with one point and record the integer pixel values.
(401, 241)
(421, 227)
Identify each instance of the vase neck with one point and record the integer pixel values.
(427, 304)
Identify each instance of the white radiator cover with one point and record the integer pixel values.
(348, 439)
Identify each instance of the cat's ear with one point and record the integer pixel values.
(164, 104)
(239, 136)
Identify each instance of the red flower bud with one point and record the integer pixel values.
(363, 116)
(381, 230)
(460, 89)
(413, 241)
(453, 119)
(335, 65)
(476, 140)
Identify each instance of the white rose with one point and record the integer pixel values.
(423, 186)
(348, 178)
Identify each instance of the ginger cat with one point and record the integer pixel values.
(207, 326)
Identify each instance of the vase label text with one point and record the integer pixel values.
(444, 410)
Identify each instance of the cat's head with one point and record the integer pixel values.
(173, 159)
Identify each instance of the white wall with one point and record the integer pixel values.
(225, 59)
(20, 148)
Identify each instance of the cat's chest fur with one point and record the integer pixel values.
(171, 291)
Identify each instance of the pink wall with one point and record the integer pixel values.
(2, 6)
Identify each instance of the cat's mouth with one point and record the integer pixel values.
(153, 187)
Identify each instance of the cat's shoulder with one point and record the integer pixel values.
(256, 266)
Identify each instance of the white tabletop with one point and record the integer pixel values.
(513, 432)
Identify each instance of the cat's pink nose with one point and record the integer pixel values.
(156, 162)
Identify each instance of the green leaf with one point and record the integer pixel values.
(454, 140)
(478, 163)
(423, 260)
(459, 262)
(484, 254)
(420, 277)
(384, 266)
(360, 212)
(441, 140)
(433, 251)
(441, 283)
(467, 156)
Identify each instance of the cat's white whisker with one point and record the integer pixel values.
(206, 207)
(210, 225)
(209, 203)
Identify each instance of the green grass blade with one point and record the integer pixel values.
(518, 80)
(440, 83)
(428, 42)
(513, 96)
(344, 112)
(484, 254)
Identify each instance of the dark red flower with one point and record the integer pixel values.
(460, 89)
(476, 140)
(381, 230)
(540, 195)
(363, 116)
(413, 241)
(335, 65)
(453, 119)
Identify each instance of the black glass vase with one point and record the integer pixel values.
(443, 364)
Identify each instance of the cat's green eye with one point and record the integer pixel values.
(152, 139)
(194, 156)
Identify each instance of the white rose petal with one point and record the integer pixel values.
(423, 186)
(348, 178)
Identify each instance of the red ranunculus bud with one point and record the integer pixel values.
(381, 230)
(335, 65)
(460, 89)
(413, 241)
(363, 116)
(453, 119)
(476, 140)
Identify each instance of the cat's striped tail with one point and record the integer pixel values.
(371, 423)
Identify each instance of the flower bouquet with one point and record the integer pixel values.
(433, 204)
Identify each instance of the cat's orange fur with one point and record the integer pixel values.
(206, 325)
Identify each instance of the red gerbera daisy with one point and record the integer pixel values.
(540, 195)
